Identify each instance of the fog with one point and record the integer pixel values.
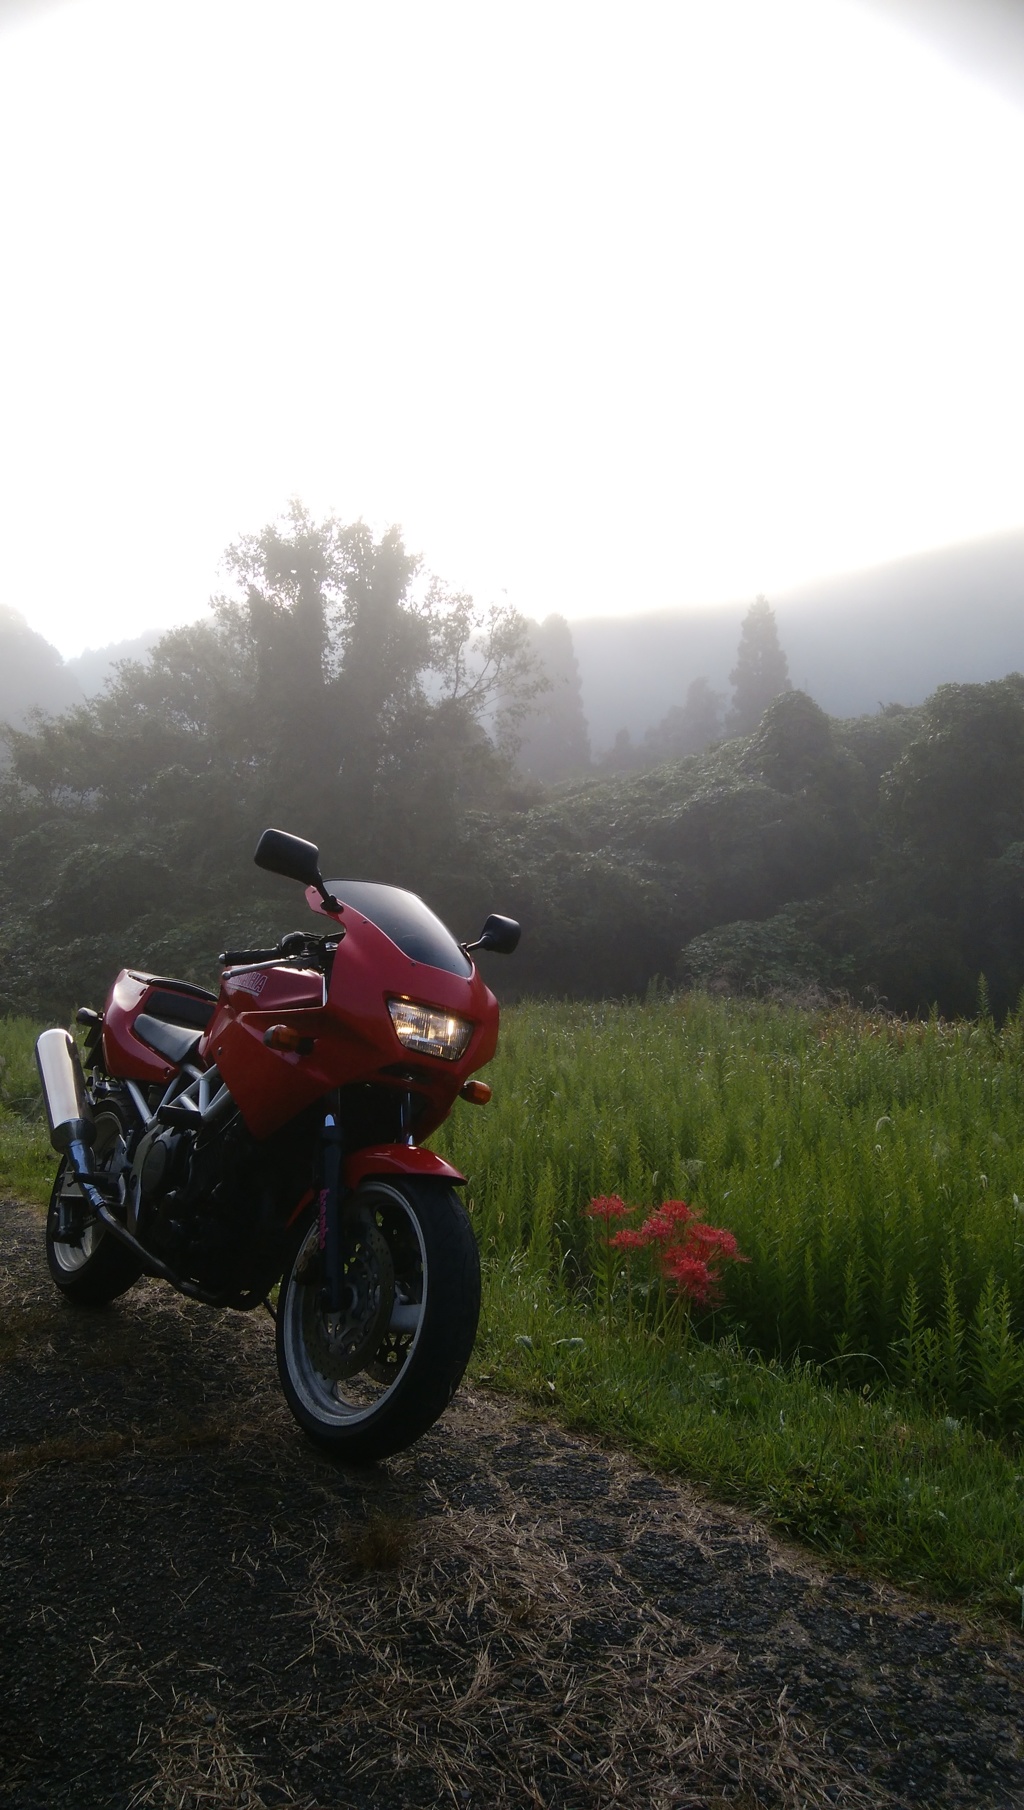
(980, 38)
(890, 634)
(612, 308)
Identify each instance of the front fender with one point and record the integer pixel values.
(397, 1159)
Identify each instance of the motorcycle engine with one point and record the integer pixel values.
(213, 1204)
(159, 1180)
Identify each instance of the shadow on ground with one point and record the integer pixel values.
(198, 1609)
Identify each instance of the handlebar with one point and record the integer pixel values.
(296, 945)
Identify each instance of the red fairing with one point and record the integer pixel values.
(126, 1056)
(351, 1032)
(397, 1159)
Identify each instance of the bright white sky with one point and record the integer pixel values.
(612, 306)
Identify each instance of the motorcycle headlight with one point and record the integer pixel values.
(429, 1030)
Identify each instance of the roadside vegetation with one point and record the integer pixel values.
(27, 1162)
(861, 1380)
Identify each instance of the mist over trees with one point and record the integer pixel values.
(554, 742)
(891, 633)
(32, 673)
(338, 690)
(687, 728)
(761, 672)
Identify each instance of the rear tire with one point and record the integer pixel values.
(100, 1268)
(369, 1381)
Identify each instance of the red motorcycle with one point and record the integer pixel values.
(271, 1136)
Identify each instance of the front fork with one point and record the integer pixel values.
(333, 1194)
(330, 1213)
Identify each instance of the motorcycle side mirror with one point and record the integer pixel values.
(281, 853)
(499, 935)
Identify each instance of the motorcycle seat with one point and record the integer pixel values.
(180, 1008)
(178, 1001)
(170, 1040)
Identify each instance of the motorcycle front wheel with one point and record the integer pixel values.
(369, 1380)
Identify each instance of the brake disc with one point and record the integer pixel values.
(343, 1343)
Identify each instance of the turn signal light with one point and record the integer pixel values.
(282, 1037)
(476, 1092)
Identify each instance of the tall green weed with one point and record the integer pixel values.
(27, 1161)
(872, 1171)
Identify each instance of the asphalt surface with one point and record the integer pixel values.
(197, 1608)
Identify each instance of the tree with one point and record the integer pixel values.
(793, 746)
(687, 728)
(761, 671)
(388, 698)
(554, 743)
(338, 690)
(956, 796)
(621, 756)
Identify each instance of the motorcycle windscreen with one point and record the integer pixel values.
(410, 924)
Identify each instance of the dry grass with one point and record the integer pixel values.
(468, 1667)
(23, 1329)
(19, 1462)
(202, 1760)
(385, 1543)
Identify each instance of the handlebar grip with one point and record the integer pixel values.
(230, 958)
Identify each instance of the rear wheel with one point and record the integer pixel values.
(367, 1381)
(99, 1268)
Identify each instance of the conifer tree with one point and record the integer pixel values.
(687, 728)
(554, 741)
(761, 671)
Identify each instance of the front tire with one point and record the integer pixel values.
(99, 1268)
(368, 1381)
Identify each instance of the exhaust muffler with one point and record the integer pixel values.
(67, 1109)
(71, 1122)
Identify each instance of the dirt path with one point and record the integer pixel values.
(197, 1609)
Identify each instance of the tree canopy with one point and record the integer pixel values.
(337, 690)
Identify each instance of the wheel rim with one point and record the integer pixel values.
(320, 1349)
(72, 1257)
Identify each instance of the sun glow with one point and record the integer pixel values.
(612, 308)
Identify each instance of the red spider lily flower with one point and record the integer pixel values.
(608, 1207)
(665, 1222)
(628, 1240)
(689, 1252)
(716, 1241)
(691, 1275)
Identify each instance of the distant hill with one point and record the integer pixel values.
(887, 635)
(32, 674)
(92, 669)
(34, 677)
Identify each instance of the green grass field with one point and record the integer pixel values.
(27, 1163)
(862, 1383)
(872, 1172)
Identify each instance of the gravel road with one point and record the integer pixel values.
(198, 1609)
